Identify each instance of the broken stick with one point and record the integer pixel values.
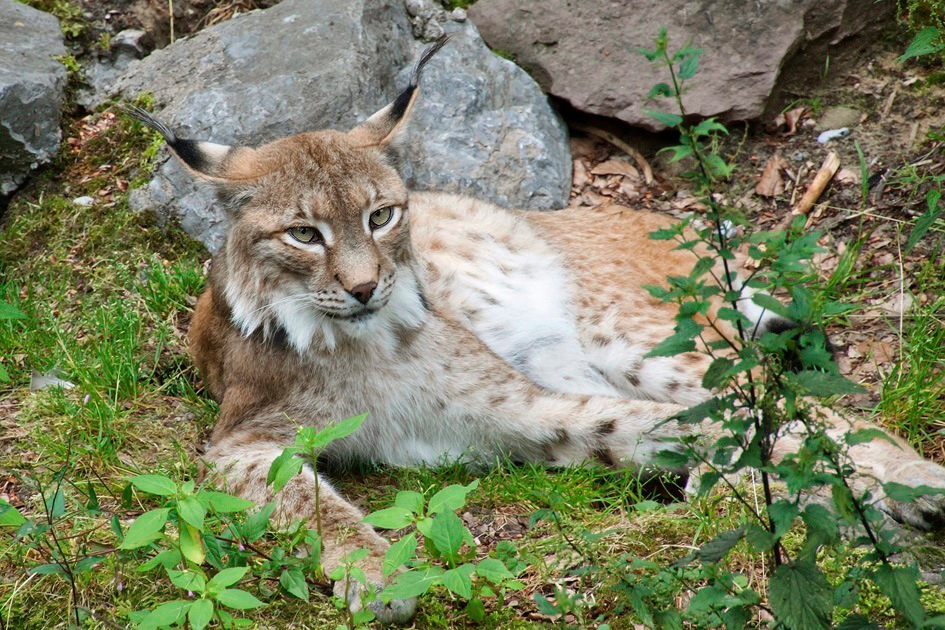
(827, 170)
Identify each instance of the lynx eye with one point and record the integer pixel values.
(381, 217)
(306, 234)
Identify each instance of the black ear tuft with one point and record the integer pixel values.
(187, 151)
(402, 102)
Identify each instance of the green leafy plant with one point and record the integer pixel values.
(449, 561)
(762, 386)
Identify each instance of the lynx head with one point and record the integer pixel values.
(318, 245)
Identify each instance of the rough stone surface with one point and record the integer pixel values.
(31, 91)
(839, 117)
(582, 51)
(304, 65)
(478, 120)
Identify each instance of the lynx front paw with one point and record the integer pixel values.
(926, 512)
(394, 612)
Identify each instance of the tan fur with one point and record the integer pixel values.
(453, 363)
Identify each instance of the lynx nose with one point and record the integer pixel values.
(363, 292)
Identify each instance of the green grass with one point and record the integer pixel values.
(107, 295)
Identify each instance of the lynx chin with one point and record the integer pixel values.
(465, 330)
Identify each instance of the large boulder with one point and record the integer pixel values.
(583, 51)
(32, 83)
(304, 65)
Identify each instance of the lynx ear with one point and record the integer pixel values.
(383, 128)
(227, 166)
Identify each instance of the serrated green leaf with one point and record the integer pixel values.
(660, 90)
(708, 126)
(671, 346)
(293, 581)
(718, 547)
(671, 460)
(399, 553)
(154, 484)
(412, 583)
(228, 577)
(459, 580)
(226, 503)
(240, 600)
(410, 500)
(192, 512)
(908, 494)
(390, 518)
(200, 614)
(782, 513)
(817, 383)
(451, 497)
(769, 303)
(688, 67)
(759, 538)
(899, 585)
(799, 596)
(145, 529)
(717, 371)
(494, 570)
(670, 120)
(928, 41)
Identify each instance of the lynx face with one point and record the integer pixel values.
(321, 245)
(319, 241)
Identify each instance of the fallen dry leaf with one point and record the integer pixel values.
(771, 183)
(616, 167)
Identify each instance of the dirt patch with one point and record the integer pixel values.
(165, 20)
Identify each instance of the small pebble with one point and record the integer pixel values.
(833, 134)
(415, 7)
(458, 15)
(83, 201)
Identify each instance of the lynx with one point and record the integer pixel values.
(465, 330)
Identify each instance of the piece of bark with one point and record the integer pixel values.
(827, 170)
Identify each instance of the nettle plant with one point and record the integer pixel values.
(761, 386)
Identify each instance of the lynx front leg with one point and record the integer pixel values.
(244, 465)
(883, 460)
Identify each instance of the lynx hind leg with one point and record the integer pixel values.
(244, 466)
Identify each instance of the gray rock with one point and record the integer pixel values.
(480, 119)
(31, 91)
(583, 51)
(837, 117)
(458, 15)
(304, 65)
